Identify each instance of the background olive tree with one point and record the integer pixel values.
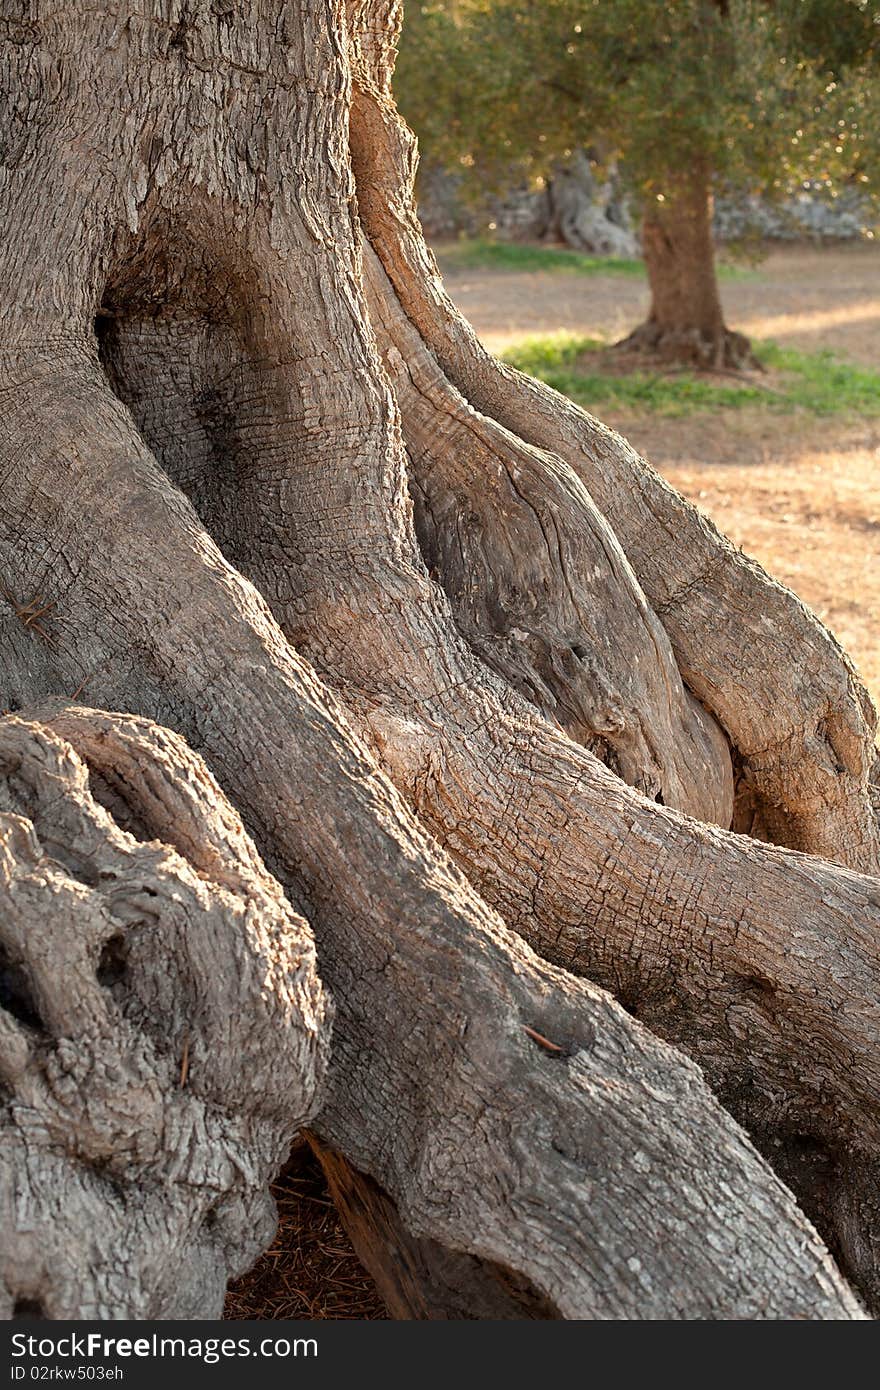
(684, 99)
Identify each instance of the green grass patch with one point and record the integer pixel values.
(816, 382)
(482, 253)
(823, 383)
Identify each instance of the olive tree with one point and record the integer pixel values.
(684, 97)
(341, 659)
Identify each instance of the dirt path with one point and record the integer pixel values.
(801, 495)
(800, 297)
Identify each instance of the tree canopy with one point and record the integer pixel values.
(767, 96)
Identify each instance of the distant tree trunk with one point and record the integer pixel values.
(486, 693)
(579, 209)
(686, 321)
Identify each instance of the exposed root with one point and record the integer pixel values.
(535, 1143)
(803, 730)
(433, 1077)
(149, 997)
(707, 352)
(540, 587)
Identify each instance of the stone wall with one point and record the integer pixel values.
(576, 208)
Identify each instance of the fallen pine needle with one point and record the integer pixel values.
(542, 1041)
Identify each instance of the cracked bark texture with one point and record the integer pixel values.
(162, 1029)
(216, 402)
(802, 727)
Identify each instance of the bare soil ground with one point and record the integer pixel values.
(802, 296)
(799, 494)
(310, 1270)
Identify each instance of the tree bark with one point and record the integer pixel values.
(152, 993)
(686, 320)
(802, 732)
(207, 521)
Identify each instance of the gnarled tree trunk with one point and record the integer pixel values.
(488, 695)
(686, 320)
(581, 211)
(152, 994)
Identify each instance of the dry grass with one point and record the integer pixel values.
(310, 1270)
(803, 499)
(799, 297)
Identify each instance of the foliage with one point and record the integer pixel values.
(816, 382)
(764, 95)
